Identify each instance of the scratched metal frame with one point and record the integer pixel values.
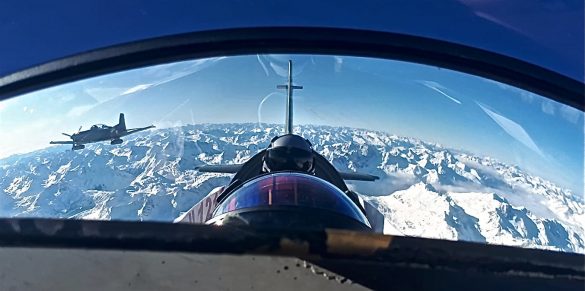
(371, 260)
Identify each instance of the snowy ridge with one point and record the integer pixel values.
(426, 190)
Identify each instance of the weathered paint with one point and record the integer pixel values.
(203, 210)
(351, 242)
(372, 260)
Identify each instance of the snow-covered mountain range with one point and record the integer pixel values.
(426, 190)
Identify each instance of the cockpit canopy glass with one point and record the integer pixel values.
(290, 189)
(100, 126)
(459, 157)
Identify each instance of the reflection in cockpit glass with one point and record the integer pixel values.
(301, 141)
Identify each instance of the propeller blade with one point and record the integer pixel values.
(66, 134)
(79, 129)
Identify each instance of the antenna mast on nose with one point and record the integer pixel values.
(289, 87)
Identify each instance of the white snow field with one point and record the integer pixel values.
(425, 190)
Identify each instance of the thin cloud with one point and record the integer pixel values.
(263, 66)
(66, 97)
(167, 73)
(338, 63)
(527, 97)
(438, 88)
(279, 64)
(569, 113)
(180, 106)
(103, 94)
(514, 129)
(136, 88)
(548, 106)
(278, 69)
(500, 85)
(261, 104)
(79, 110)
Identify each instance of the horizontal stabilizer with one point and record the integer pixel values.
(286, 87)
(234, 168)
(358, 176)
(133, 130)
(62, 142)
(228, 169)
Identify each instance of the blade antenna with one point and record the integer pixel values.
(289, 87)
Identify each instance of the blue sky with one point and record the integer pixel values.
(433, 104)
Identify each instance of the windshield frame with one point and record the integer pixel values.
(327, 41)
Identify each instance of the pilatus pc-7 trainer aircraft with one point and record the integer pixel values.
(100, 132)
